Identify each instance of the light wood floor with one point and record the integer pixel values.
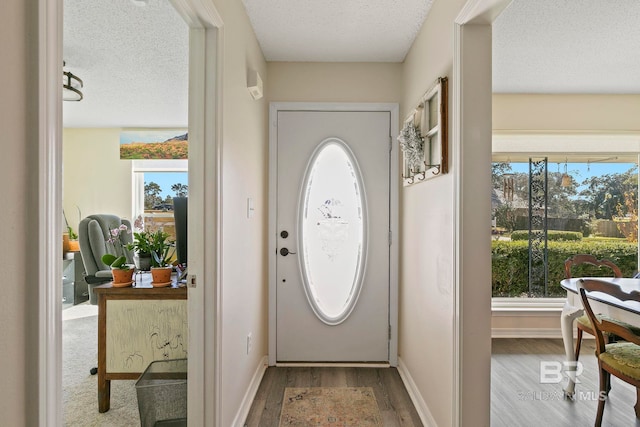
(394, 403)
(519, 399)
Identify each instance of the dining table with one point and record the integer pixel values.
(626, 311)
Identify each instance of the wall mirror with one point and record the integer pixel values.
(423, 138)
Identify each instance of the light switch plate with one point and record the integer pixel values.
(250, 208)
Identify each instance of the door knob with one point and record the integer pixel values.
(285, 252)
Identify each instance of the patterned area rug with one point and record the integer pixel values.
(330, 407)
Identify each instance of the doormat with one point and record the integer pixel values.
(330, 407)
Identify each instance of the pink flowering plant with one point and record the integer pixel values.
(138, 224)
(116, 236)
(117, 260)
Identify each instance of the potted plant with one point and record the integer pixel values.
(70, 238)
(74, 245)
(161, 254)
(122, 272)
(142, 246)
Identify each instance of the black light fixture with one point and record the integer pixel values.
(71, 85)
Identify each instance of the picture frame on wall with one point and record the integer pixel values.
(152, 144)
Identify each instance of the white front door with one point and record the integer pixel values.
(333, 236)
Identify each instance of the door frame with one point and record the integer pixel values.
(206, 42)
(393, 109)
(471, 155)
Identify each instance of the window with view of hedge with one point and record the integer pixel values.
(592, 208)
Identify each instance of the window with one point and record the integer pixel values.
(591, 207)
(332, 222)
(155, 183)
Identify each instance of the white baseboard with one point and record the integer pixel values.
(416, 397)
(330, 365)
(526, 333)
(532, 333)
(250, 395)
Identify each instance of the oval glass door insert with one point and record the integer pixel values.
(332, 231)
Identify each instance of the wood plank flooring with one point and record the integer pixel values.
(519, 399)
(394, 403)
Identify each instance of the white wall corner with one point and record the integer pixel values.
(249, 396)
(419, 403)
(471, 152)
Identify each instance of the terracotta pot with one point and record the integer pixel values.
(122, 276)
(161, 274)
(65, 242)
(74, 246)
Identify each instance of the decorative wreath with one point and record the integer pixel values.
(412, 145)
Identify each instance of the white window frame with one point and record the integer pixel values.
(139, 167)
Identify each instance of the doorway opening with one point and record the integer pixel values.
(205, 57)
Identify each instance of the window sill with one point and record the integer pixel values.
(526, 306)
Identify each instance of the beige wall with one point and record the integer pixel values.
(244, 175)
(566, 112)
(427, 256)
(95, 180)
(19, 213)
(334, 82)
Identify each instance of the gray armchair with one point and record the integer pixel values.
(93, 235)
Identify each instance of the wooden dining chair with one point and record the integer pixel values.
(581, 259)
(582, 323)
(621, 359)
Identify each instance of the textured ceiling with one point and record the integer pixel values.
(336, 30)
(134, 59)
(567, 46)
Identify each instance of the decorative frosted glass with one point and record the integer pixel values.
(332, 215)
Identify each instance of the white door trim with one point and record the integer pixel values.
(205, 127)
(471, 147)
(50, 213)
(393, 109)
(206, 43)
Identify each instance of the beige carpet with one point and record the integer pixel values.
(79, 387)
(330, 407)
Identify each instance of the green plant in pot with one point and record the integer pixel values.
(142, 245)
(161, 253)
(72, 234)
(70, 241)
(121, 271)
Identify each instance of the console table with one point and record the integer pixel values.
(136, 326)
